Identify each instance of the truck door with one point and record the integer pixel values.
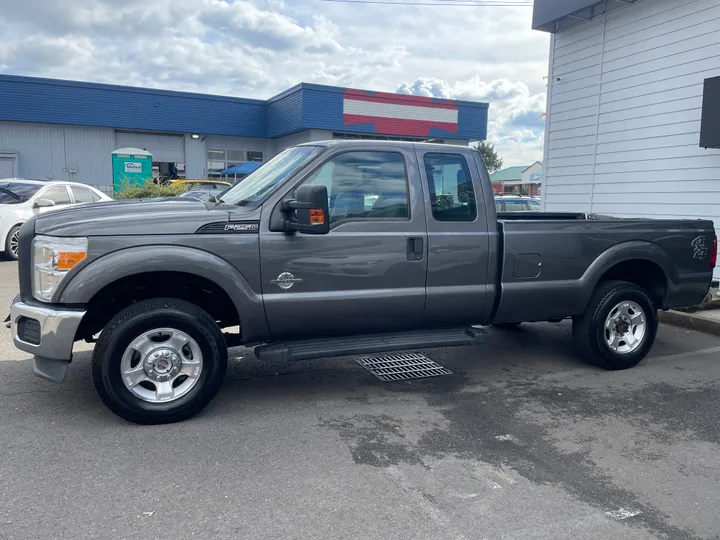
(458, 292)
(367, 275)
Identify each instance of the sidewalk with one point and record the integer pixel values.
(705, 319)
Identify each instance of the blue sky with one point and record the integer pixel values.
(256, 48)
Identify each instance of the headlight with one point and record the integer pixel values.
(52, 259)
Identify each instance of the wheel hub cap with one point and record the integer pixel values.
(161, 365)
(625, 327)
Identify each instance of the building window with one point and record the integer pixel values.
(219, 160)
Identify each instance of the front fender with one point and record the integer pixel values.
(101, 272)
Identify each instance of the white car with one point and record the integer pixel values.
(22, 199)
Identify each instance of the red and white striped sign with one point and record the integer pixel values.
(397, 114)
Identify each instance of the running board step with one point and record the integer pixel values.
(284, 351)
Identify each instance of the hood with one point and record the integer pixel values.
(138, 217)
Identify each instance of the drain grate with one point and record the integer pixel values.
(400, 367)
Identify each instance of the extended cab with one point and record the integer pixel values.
(335, 248)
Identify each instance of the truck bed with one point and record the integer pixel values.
(551, 262)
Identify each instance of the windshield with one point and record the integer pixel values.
(16, 192)
(264, 180)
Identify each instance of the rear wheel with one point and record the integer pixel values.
(159, 361)
(12, 243)
(618, 328)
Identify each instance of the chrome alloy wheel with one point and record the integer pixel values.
(625, 327)
(15, 243)
(161, 365)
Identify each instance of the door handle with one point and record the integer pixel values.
(415, 249)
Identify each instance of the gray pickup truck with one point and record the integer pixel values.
(330, 249)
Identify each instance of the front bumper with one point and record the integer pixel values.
(48, 334)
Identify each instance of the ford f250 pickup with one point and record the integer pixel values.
(330, 249)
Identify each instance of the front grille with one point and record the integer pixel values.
(29, 330)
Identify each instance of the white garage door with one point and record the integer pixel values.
(164, 148)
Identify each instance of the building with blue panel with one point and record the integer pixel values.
(65, 130)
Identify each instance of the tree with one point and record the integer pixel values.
(492, 160)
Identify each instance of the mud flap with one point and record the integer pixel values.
(51, 370)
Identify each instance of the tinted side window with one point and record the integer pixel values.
(365, 185)
(81, 194)
(56, 194)
(451, 190)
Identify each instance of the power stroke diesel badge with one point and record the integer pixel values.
(285, 281)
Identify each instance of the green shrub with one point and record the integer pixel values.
(148, 190)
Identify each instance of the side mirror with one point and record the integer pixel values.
(43, 203)
(308, 212)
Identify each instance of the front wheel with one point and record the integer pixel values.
(619, 326)
(159, 361)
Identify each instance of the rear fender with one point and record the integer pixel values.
(628, 251)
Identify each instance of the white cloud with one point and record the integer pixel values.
(256, 48)
(514, 123)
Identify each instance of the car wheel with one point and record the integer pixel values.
(618, 328)
(159, 361)
(12, 243)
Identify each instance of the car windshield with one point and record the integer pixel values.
(254, 188)
(17, 192)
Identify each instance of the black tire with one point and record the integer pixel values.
(8, 250)
(589, 328)
(126, 327)
(507, 325)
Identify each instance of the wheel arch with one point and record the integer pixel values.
(162, 267)
(645, 264)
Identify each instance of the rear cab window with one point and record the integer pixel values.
(451, 189)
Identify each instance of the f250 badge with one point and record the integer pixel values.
(700, 249)
(242, 227)
(286, 280)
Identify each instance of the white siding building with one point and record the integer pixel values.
(625, 101)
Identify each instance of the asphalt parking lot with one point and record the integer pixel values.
(523, 441)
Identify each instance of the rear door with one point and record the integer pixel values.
(367, 274)
(459, 285)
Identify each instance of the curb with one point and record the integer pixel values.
(693, 321)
